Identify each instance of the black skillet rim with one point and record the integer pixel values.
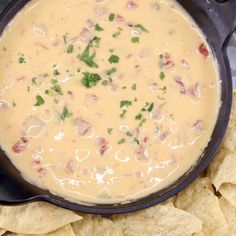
(189, 177)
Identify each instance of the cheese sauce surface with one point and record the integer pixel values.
(105, 101)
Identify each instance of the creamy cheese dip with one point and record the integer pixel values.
(105, 101)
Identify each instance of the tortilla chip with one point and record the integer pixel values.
(200, 200)
(228, 191)
(64, 231)
(230, 215)
(2, 231)
(93, 225)
(35, 218)
(225, 172)
(158, 220)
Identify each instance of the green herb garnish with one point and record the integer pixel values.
(111, 17)
(139, 117)
(162, 76)
(98, 27)
(134, 87)
(135, 40)
(109, 130)
(111, 71)
(122, 141)
(142, 28)
(70, 49)
(22, 60)
(125, 103)
(150, 108)
(39, 101)
(129, 134)
(56, 72)
(65, 113)
(88, 58)
(114, 59)
(90, 80)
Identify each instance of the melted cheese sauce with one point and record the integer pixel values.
(105, 101)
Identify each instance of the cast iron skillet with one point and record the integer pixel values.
(217, 19)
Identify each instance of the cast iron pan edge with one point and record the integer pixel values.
(217, 22)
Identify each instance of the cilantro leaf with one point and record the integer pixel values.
(39, 101)
(90, 80)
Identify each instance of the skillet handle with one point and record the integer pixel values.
(226, 10)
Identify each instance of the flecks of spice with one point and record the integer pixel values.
(117, 33)
(129, 134)
(150, 108)
(39, 101)
(13, 104)
(113, 59)
(66, 113)
(122, 115)
(34, 80)
(65, 39)
(90, 80)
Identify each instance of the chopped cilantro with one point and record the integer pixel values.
(90, 80)
(57, 89)
(109, 130)
(45, 75)
(56, 72)
(28, 88)
(129, 134)
(135, 40)
(134, 87)
(86, 57)
(162, 76)
(139, 116)
(136, 140)
(98, 27)
(161, 56)
(122, 115)
(65, 113)
(150, 108)
(142, 28)
(34, 80)
(125, 103)
(104, 82)
(114, 59)
(111, 17)
(111, 71)
(13, 104)
(142, 122)
(122, 141)
(54, 81)
(39, 101)
(22, 60)
(70, 48)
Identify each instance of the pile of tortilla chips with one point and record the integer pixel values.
(206, 208)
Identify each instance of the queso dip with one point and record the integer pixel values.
(105, 101)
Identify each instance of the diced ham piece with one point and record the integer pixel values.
(120, 19)
(19, 147)
(103, 146)
(167, 62)
(194, 91)
(89, 24)
(131, 5)
(199, 125)
(141, 153)
(180, 82)
(203, 50)
(71, 166)
(85, 36)
(100, 11)
(83, 127)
